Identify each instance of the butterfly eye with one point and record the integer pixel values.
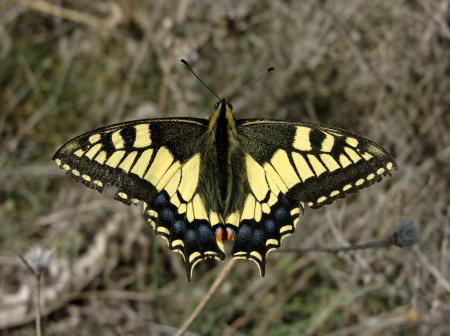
(230, 106)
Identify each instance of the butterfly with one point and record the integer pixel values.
(202, 182)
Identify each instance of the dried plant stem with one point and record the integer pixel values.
(406, 234)
(201, 305)
(38, 305)
(65, 13)
(38, 276)
(372, 244)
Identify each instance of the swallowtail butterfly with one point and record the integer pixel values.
(202, 182)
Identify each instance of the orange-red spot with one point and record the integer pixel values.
(223, 234)
(230, 234)
(219, 234)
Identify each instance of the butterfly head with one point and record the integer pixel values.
(223, 104)
(222, 115)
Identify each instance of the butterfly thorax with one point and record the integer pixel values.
(221, 151)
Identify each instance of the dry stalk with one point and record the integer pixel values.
(67, 14)
(212, 290)
(37, 272)
(407, 234)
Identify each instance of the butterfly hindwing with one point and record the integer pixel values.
(263, 224)
(155, 162)
(289, 165)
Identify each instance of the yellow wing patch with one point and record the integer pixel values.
(301, 140)
(189, 181)
(280, 162)
(142, 163)
(143, 136)
(161, 163)
(256, 178)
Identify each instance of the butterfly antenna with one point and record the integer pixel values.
(204, 84)
(237, 93)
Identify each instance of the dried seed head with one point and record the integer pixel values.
(38, 259)
(407, 234)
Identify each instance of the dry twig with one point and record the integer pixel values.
(70, 14)
(406, 235)
(212, 290)
(37, 261)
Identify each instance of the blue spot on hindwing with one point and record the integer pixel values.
(191, 238)
(282, 216)
(178, 228)
(257, 241)
(166, 217)
(270, 226)
(161, 200)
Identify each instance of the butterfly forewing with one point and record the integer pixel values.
(155, 162)
(317, 164)
(289, 165)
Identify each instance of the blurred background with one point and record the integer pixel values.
(379, 68)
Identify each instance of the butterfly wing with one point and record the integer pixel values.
(290, 165)
(156, 162)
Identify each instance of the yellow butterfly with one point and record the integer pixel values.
(202, 181)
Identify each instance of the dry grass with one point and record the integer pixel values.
(380, 68)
